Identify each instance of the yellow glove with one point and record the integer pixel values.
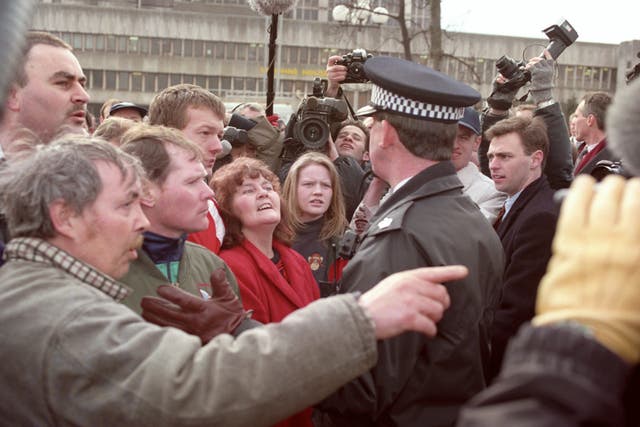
(593, 277)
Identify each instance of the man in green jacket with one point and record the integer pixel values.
(174, 199)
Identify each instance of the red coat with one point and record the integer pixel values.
(272, 298)
(263, 288)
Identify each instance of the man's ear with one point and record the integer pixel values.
(536, 159)
(390, 135)
(150, 194)
(13, 98)
(62, 217)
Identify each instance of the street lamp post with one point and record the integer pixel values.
(272, 8)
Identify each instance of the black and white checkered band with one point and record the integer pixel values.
(386, 100)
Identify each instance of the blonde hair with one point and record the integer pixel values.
(169, 107)
(335, 220)
(113, 128)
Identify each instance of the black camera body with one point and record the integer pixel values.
(354, 62)
(313, 119)
(561, 36)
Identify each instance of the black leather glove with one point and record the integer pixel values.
(502, 96)
(220, 314)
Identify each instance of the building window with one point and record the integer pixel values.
(201, 81)
(197, 48)
(99, 42)
(213, 83)
(111, 43)
(177, 47)
(88, 42)
(163, 81)
(67, 37)
(250, 84)
(136, 82)
(97, 79)
(209, 49)
(123, 80)
(133, 44)
(241, 51)
(167, 48)
(175, 79)
(303, 57)
(252, 52)
(231, 50)
(188, 48)
(150, 82)
(238, 83)
(144, 45)
(225, 83)
(155, 47)
(219, 51)
(110, 80)
(122, 44)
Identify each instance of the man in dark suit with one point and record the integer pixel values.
(590, 128)
(517, 154)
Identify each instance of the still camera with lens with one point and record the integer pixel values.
(354, 61)
(560, 35)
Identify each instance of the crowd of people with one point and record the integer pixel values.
(418, 269)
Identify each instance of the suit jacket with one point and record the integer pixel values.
(526, 233)
(602, 154)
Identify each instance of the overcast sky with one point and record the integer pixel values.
(610, 21)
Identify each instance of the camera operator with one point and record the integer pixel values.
(263, 138)
(559, 165)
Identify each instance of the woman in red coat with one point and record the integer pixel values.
(274, 279)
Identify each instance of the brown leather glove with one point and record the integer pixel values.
(221, 314)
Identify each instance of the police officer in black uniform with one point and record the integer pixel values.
(426, 221)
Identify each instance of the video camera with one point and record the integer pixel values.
(354, 62)
(561, 36)
(311, 123)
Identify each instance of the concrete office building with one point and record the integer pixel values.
(130, 49)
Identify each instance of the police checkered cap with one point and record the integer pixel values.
(404, 87)
(386, 100)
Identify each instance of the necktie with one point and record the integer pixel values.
(498, 220)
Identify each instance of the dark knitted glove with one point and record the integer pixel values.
(541, 80)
